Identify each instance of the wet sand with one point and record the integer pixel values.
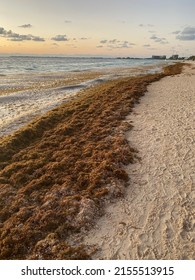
(38, 95)
(156, 218)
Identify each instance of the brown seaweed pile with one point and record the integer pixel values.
(55, 171)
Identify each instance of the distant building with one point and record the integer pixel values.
(174, 57)
(159, 57)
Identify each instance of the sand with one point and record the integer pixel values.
(155, 219)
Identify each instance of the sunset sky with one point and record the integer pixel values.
(103, 27)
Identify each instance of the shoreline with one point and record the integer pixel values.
(57, 171)
(43, 92)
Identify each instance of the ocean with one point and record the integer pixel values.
(31, 86)
(28, 64)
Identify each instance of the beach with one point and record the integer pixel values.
(155, 219)
(101, 176)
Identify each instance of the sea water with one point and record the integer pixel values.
(30, 86)
(27, 64)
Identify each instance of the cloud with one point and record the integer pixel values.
(68, 21)
(124, 45)
(113, 41)
(189, 30)
(37, 39)
(160, 40)
(188, 34)
(60, 38)
(2, 31)
(145, 25)
(28, 25)
(103, 41)
(84, 38)
(115, 44)
(19, 38)
(147, 46)
(15, 37)
(176, 32)
(187, 37)
(100, 46)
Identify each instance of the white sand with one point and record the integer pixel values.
(156, 219)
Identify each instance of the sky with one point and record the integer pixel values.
(135, 28)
